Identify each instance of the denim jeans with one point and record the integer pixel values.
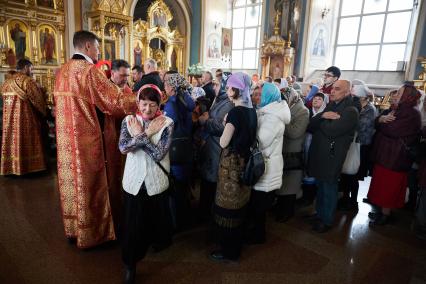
(326, 200)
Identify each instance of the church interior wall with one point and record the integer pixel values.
(313, 65)
(215, 17)
(196, 32)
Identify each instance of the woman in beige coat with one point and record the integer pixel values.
(294, 136)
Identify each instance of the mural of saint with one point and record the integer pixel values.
(137, 54)
(19, 37)
(226, 41)
(46, 3)
(213, 50)
(47, 44)
(319, 46)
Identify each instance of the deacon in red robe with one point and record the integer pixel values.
(24, 109)
(82, 91)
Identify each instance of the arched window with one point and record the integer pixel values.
(373, 34)
(246, 29)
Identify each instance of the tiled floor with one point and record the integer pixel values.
(33, 249)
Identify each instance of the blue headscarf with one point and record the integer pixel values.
(270, 94)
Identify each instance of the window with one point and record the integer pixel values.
(372, 34)
(246, 28)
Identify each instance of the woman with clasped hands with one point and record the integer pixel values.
(145, 139)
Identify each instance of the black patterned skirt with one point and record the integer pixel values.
(231, 195)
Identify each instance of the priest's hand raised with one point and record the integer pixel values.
(155, 126)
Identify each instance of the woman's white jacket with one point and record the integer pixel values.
(271, 121)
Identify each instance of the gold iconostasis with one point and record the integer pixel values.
(36, 30)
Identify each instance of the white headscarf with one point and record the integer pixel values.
(321, 109)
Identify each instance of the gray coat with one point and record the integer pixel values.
(331, 140)
(210, 151)
(294, 136)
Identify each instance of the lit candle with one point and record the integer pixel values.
(34, 39)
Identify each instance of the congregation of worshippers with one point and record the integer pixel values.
(144, 154)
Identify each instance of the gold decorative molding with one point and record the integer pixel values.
(276, 53)
(420, 83)
(111, 6)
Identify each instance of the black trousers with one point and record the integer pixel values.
(207, 194)
(181, 198)
(348, 184)
(260, 203)
(146, 221)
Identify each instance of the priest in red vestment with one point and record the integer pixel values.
(81, 92)
(24, 109)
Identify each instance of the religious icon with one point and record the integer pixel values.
(173, 60)
(226, 42)
(159, 19)
(319, 45)
(10, 58)
(276, 69)
(47, 46)
(137, 54)
(109, 50)
(319, 49)
(212, 48)
(19, 37)
(46, 3)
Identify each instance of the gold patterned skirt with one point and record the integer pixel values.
(232, 196)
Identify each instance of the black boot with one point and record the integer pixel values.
(129, 274)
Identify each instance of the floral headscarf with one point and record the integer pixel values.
(291, 96)
(197, 92)
(177, 81)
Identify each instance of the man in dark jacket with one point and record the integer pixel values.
(332, 131)
(151, 76)
(207, 80)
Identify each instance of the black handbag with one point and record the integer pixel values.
(255, 166)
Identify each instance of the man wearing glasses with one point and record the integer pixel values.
(331, 75)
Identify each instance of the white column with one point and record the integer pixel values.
(70, 28)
